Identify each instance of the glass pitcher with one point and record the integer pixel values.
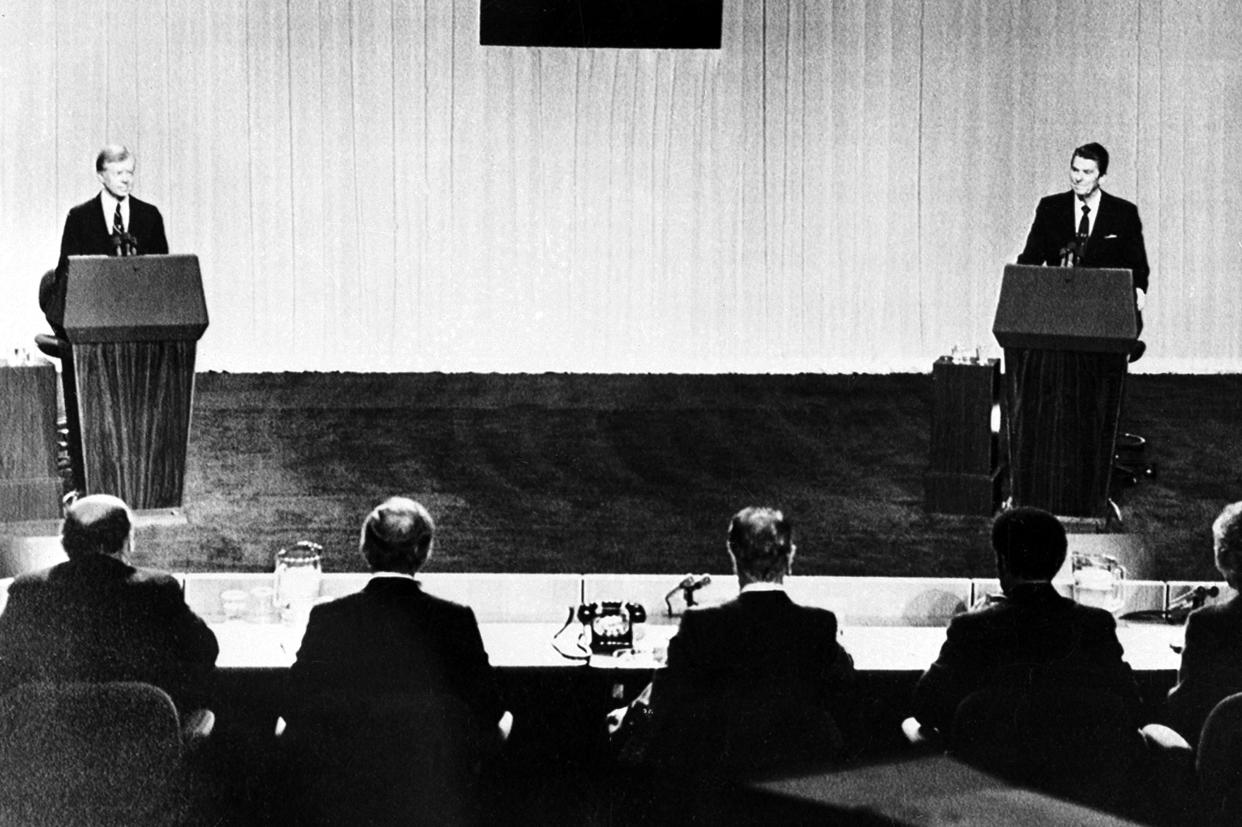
(299, 573)
(1099, 580)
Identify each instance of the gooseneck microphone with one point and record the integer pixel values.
(689, 584)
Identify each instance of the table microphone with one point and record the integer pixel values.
(689, 584)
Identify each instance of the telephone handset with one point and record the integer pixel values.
(612, 624)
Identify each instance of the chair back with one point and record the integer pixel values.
(399, 758)
(1219, 761)
(1075, 742)
(88, 753)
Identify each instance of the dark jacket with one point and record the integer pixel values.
(753, 683)
(97, 618)
(390, 638)
(1211, 667)
(1116, 239)
(1034, 641)
(86, 233)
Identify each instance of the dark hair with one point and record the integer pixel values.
(111, 154)
(761, 542)
(1093, 152)
(97, 524)
(1030, 541)
(396, 536)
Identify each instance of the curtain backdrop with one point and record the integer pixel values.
(836, 189)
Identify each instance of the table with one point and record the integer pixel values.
(1149, 647)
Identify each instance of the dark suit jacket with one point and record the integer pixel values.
(750, 684)
(390, 638)
(1115, 241)
(1211, 666)
(86, 233)
(1036, 641)
(97, 618)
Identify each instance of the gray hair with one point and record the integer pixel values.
(396, 535)
(1227, 543)
(110, 154)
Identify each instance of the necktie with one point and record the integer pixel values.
(118, 231)
(1084, 226)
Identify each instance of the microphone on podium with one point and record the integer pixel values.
(1071, 253)
(124, 244)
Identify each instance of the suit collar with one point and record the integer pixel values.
(764, 596)
(1033, 592)
(392, 585)
(98, 565)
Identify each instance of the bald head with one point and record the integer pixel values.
(97, 524)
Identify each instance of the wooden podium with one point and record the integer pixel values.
(30, 488)
(132, 325)
(964, 473)
(1067, 334)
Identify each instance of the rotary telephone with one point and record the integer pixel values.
(612, 624)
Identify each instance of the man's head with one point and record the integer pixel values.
(1030, 546)
(761, 545)
(96, 524)
(1227, 543)
(396, 536)
(115, 168)
(1088, 166)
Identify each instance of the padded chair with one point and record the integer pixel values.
(400, 758)
(95, 753)
(1219, 761)
(1078, 744)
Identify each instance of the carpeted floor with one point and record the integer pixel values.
(533, 473)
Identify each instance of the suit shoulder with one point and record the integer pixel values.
(1093, 615)
(154, 577)
(146, 206)
(817, 614)
(1118, 202)
(1056, 200)
(31, 579)
(1214, 617)
(88, 204)
(443, 604)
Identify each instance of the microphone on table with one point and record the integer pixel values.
(689, 584)
(1194, 598)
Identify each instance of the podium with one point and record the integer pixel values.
(963, 474)
(30, 488)
(133, 325)
(1067, 334)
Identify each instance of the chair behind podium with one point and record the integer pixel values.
(132, 325)
(1067, 334)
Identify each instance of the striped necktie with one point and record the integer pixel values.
(118, 230)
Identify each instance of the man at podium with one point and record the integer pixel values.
(1087, 227)
(113, 223)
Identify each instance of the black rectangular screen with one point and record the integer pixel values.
(601, 24)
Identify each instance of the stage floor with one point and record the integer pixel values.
(639, 473)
